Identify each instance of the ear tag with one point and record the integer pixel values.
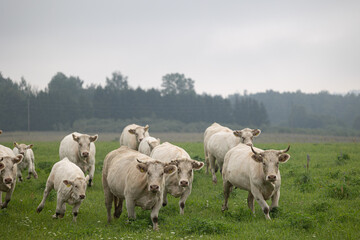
(142, 170)
(68, 185)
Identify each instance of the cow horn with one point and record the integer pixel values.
(253, 150)
(284, 151)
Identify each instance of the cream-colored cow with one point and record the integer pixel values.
(256, 171)
(132, 135)
(178, 184)
(136, 178)
(148, 144)
(27, 162)
(221, 142)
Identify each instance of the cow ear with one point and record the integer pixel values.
(257, 158)
(283, 158)
(87, 179)
(2, 166)
(29, 146)
(153, 145)
(93, 138)
(132, 131)
(68, 183)
(17, 159)
(141, 167)
(170, 169)
(256, 132)
(16, 145)
(197, 165)
(76, 138)
(237, 133)
(146, 127)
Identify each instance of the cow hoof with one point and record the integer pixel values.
(224, 208)
(38, 210)
(28, 177)
(164, 204)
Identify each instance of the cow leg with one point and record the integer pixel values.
(91, 174)
(8, 196)
(212, 167)
(0, 198)
(109, 197)
(47, 190)
(165, 201)
(75, 210)
(155, 215)
(183, 198)
(118, 206)
(250, 201)
(260, 199)
(227, 190)
(130, 207)
(275, 199)
(19, 175)
(60, 207)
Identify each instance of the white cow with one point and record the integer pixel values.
(69, 182)
(80, 149)
(27, 162)
(148, 144)
(214, 128)
(132, 135)
(178, 184)
(8, 171)
(256, 171)
(221, 142)
(137, 178)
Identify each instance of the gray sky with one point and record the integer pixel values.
(225, 46)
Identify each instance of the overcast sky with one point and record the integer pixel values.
(225, 46)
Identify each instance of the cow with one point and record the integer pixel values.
(137, 178)
(221, 142)
(69, 182)
(148, 144)
(27, 162)
(80, 149)
(8, 171)
(256, 171)
(132, 135)
(211, 130)
(178, 184)
(0, 131)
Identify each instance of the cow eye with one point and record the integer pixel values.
(80, 144)
(190, 172)
(179, 170)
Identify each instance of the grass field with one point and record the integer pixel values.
(322, 202)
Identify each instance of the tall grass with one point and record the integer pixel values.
(330, 210)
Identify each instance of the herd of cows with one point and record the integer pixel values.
(143, 171)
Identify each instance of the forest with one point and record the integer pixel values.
(66, 104)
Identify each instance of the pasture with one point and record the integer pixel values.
(319, 202)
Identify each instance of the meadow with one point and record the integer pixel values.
(319, 200)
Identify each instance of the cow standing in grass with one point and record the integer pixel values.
(256, 171)
(136, 178)
(132, 135)
(27, 162)
(211, 130)
(80, 149)
(221, 142)
(8, 172)
(69, 182)
(178, 184)
(148, 144)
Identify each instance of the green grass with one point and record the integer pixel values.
(320, 203)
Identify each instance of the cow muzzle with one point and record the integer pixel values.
(85, 154)
(82, 196)
(249, 144)
(271, 178)
(154, 188)
(184, 183)
(8, 180)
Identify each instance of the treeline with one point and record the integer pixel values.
(67, 105)
(66, 101)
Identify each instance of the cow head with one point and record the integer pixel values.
(78, 187)
(185, 170)
(270, 160)
(84, 141)
(7, 165)
(155, 171)
(140, 133)
(246, 135)
(22, 148)
(153, 144)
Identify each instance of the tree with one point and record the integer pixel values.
(175, 83)
(117, 82)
